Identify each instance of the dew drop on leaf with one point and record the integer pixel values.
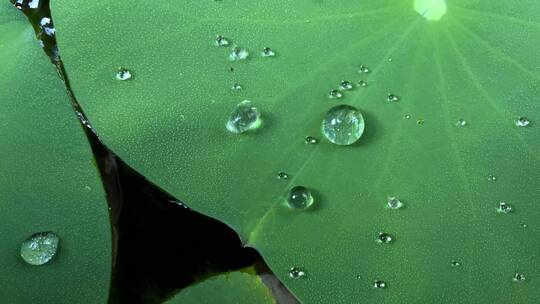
(394, 202)
(420, 121)
(343, 125)
(461, 123)
(123, 74)
(296, 273)
(518, 277)
(392, 98)
(363, 69)
(407, 116)
(238, 54)
(492, 178)
(244, 117)
(455, 263)
(345, 85)
(384, 238)
(310, 140)
(362, 83)
(299, 198)
(268, 52)
(523, 225)
(221, 41)
(282, 175)
(39, 248)
(522, 122)
(504, 208)
(378, 284)
(236, 87)
(335, 94)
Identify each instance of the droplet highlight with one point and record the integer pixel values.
(378, 284)
(345, 85)
(335, 94)
(363, 69)
(461, 123)
(221, 41)
(244, 117)
(394, 202)
(310, 140)
(504, 208)
(392, 98)
(268, 52)
(361, 83)
(384, 238)
(282, 175)
(299, 198)
(39, 248)
(518, 277)
(522, 122)
(296, 273)
(343, 125)
(123, 74)
(238, 53)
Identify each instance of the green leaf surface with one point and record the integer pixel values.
(478, 62)
(48, 181)
(231, 288)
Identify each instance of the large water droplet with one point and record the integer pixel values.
(39, 248)
(238, 54)
(343, 125)
(243, 118)
(518, 277)
(268, 52)
(504, 208)
(296, 273)
(384, 238)
(123, 74)
(394, 202)
(522, 122)
(378, 284)
(299, 198)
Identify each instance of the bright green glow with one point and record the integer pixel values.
(431, 9)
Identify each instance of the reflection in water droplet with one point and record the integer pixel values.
(282, 175)
(407, 116)
(39, 248)
(492, 178)
(392, 98)
(461, 123)
(345, 85)
(221, 41)
(522, 122)
(243, 118)
(455, 263)
(343, 125)
(297, 273)
(236, 87)
(518, 277)
(238, 54)
(362, 83)
(311, 140)
(384, 238)
(335, 94)
(123, 74)
(523, 225)
(363, 69)
(504, 208)
(394, 202)
(378, 284)
(300, 198)
(420, 121)
(268, 52)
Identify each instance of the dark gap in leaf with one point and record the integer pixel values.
(160, 245)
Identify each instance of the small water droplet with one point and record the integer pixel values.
(343, 125)
(492, 178)
(236, 87)
(244, 117)
(394, 202)
(392, 98)
(407, 116)
(39, 248)
(238, 53)
(299, 198)
(361, 83)
(504, 208)
(384, 238)
(518, 277)
(335, 94)
(297, 273)
(345, 85)
(268, 52)
(455, 263)
(522, 122)
(311, 140)
(123, 74)
(461, 123)
(221, 41)
(420, 121)
(378, 284)
(282, 175)
(523, 225)
(363, 69)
